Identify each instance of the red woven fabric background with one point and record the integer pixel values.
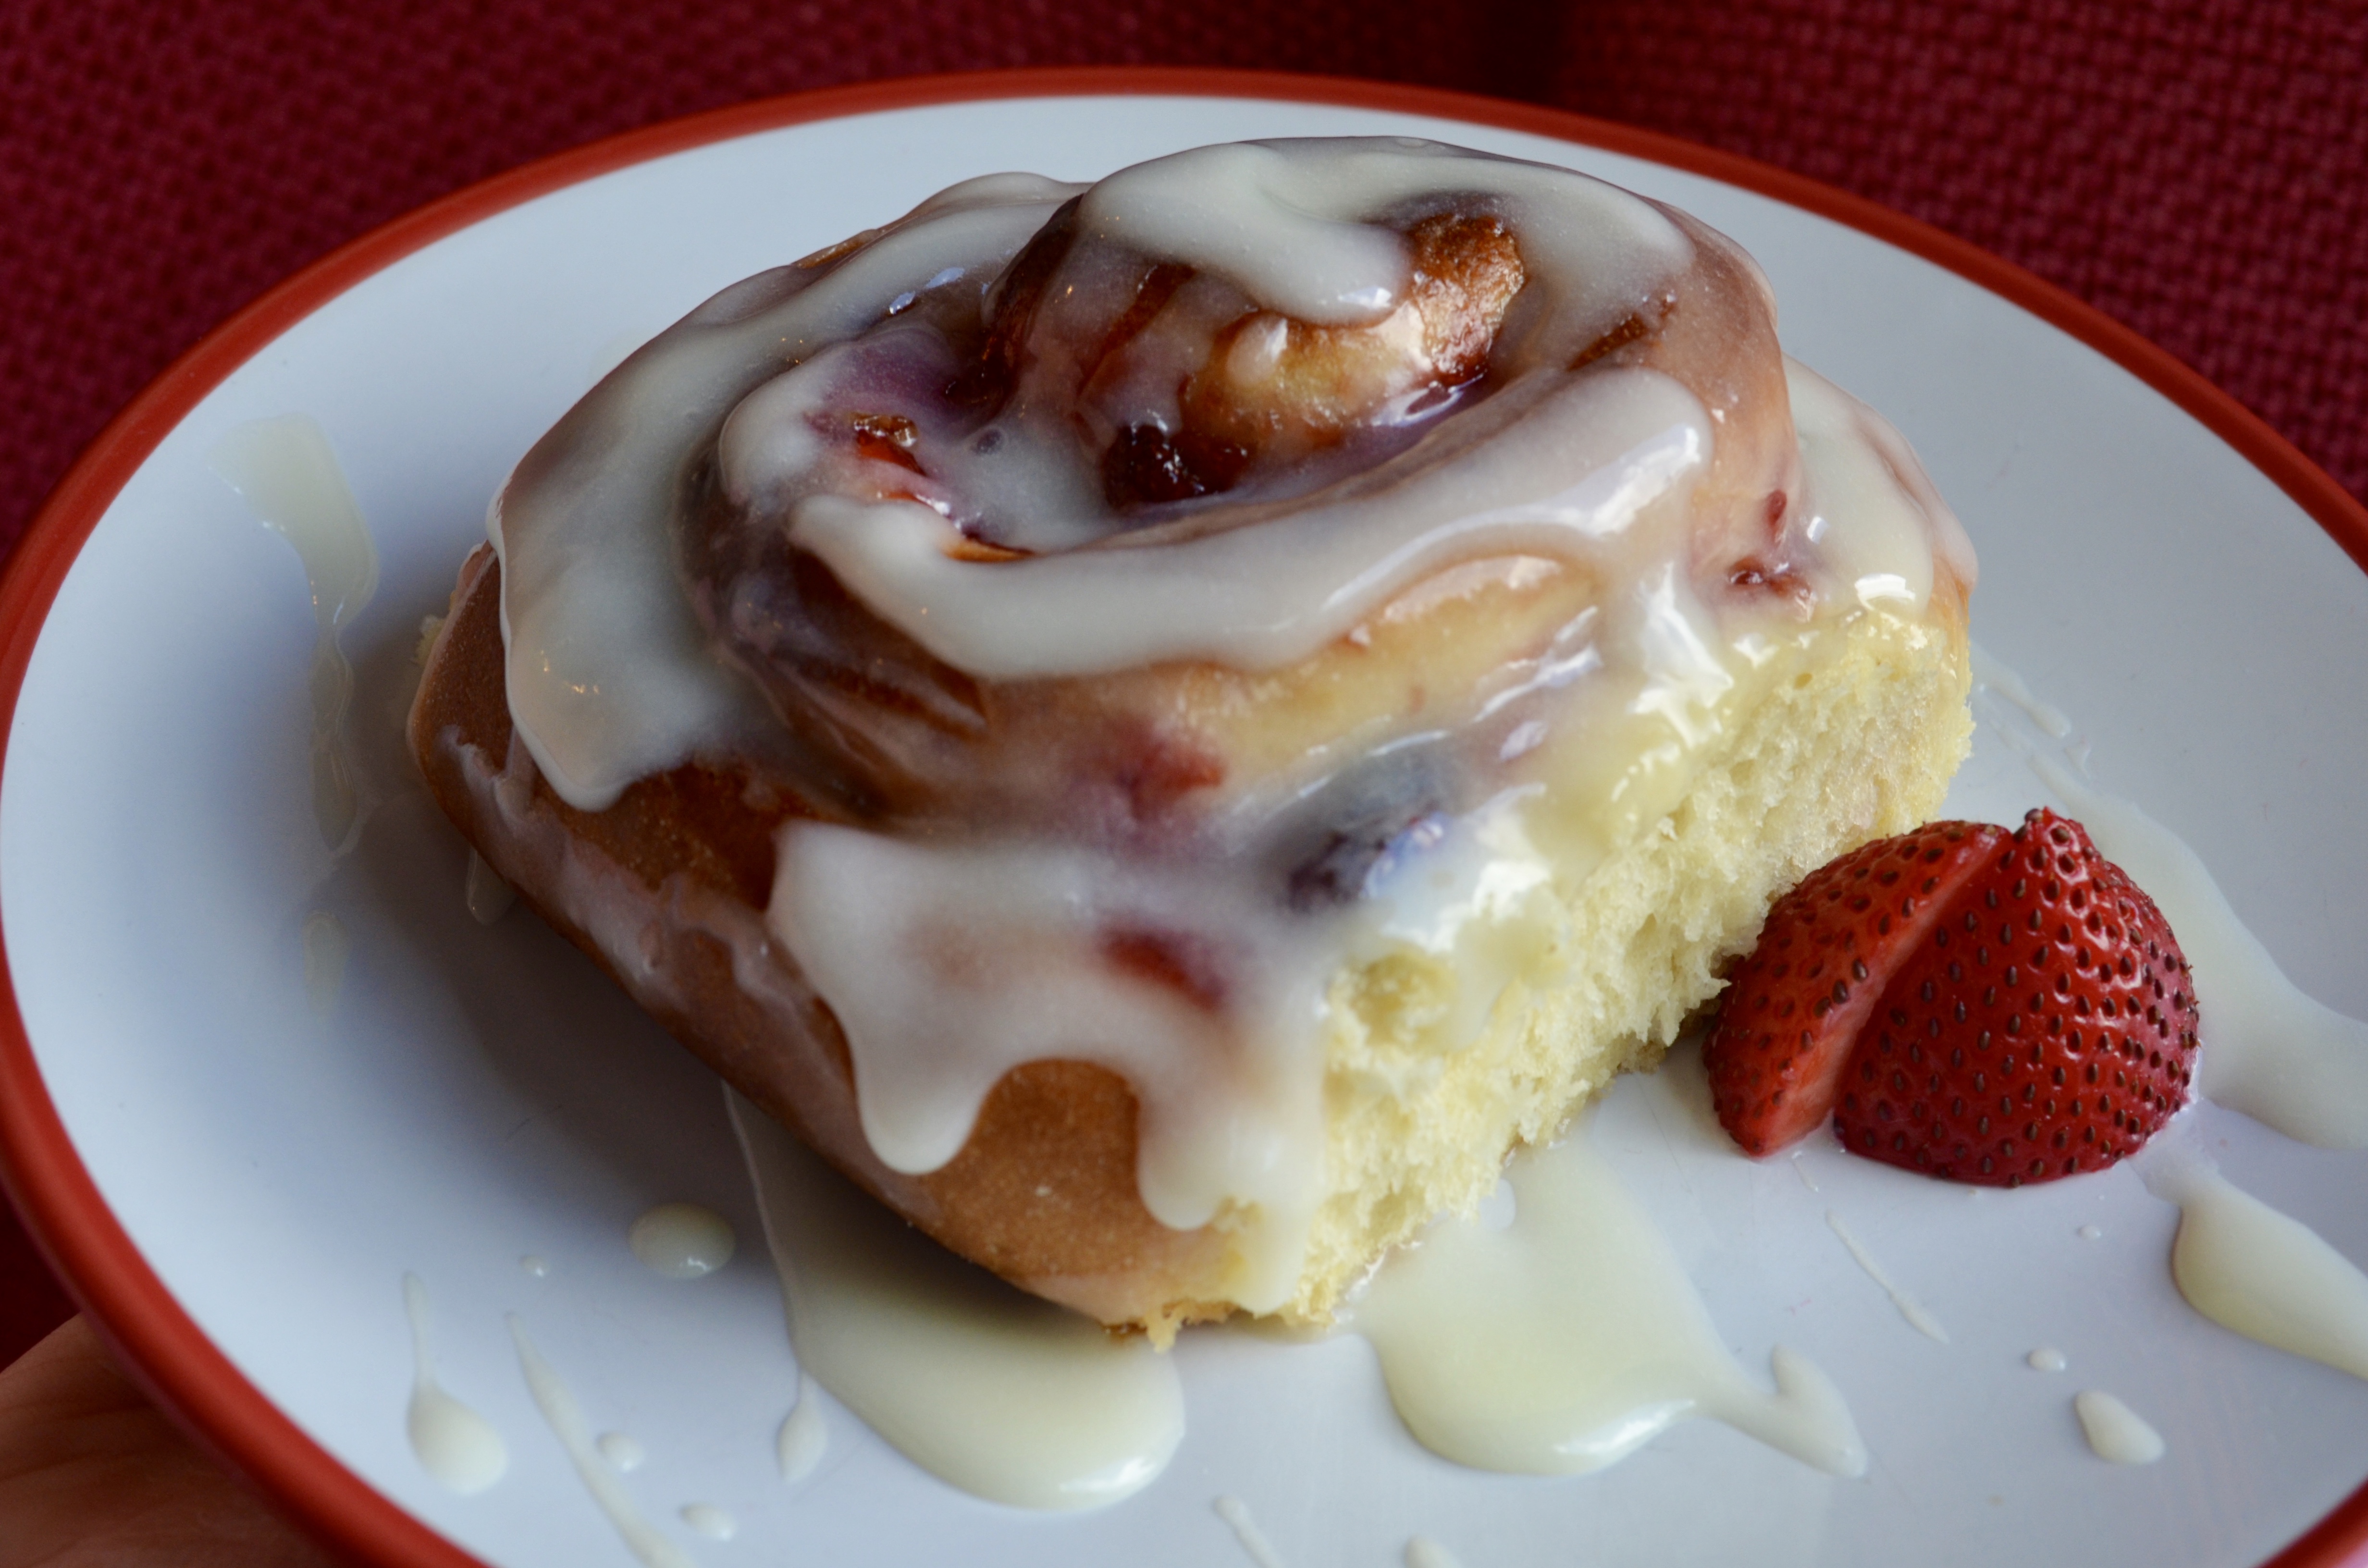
(2195, 167)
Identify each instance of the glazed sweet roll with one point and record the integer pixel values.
(1164, 727)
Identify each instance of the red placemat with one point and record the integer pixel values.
(2199, 170)
(2196, 168)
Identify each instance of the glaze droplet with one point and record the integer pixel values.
(805, 1436)
(1424, 1552)
(452, 1442)
(286, 471)
(2115, 1432)
(683, 1241)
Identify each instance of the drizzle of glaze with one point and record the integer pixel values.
(1570, 1338)
(805, 1436)
(1922, 1321)
(1253, 1543)
(641, 696)
(998, 1393)
(2116, 1433)
(622, 1452)
(326, 948)
(1558, 464)
(682, 1241)
(1628, 448)
(534, 1267)
(2263, 1274)
(2047, 1358)
(565, 1417)
(1001, 949)
(452, 1442)
(286, 473)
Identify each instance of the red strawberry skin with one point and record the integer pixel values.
(1795, 1007)
(2044, 1025)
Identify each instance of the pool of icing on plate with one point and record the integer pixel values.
(1006, 1396)
(1571, 1337)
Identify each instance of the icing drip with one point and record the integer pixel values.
(610, 674)
(950, 966)
(1253, 1543)
(805, 1436)
(452, 1442)
(1006, 1396)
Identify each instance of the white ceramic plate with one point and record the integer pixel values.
(240, 1187)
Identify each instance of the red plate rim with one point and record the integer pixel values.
(55, 1194)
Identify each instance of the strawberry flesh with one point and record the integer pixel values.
(2046, 1025)
(1795, 1006)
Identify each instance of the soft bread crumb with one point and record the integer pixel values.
(1862, 749)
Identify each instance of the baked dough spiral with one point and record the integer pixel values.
(1164, 725)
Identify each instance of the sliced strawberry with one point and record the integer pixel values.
(2046, 1025)
(1795, 1007)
